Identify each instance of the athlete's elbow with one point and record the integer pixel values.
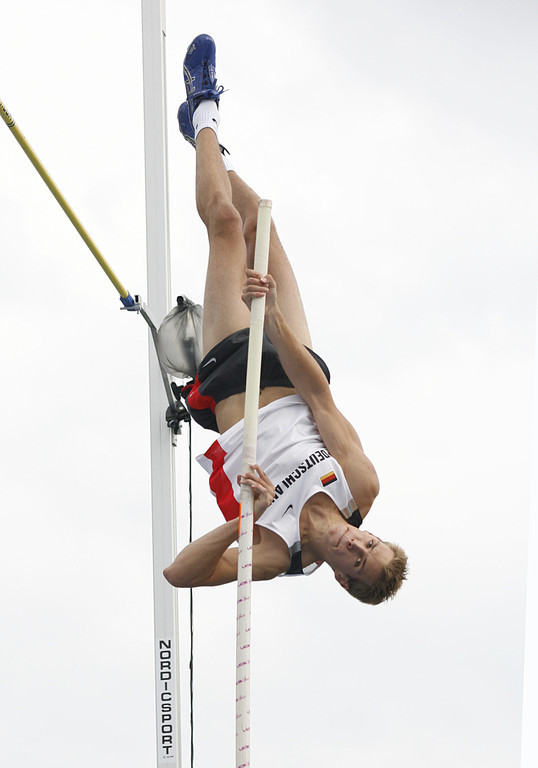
(369, 492)
(373, 489)
(170, 576)
(176, 576)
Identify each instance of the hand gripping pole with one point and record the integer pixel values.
(244, 565)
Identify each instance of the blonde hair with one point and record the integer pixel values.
(392, 577)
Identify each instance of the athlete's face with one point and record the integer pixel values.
(356, 554)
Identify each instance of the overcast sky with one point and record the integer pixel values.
(397, 141)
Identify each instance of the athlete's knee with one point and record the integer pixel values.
(220, 217)
(249, 230)
(249, 233)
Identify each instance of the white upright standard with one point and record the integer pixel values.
(162, 467)
(250, 434)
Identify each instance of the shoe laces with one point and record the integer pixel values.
(209, 81)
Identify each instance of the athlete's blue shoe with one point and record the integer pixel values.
(186, 127)
(199, 72)
(185, 124)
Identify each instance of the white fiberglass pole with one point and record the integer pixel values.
(250, 433)
(162, 466)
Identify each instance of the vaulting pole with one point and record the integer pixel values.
(162, 466)
(250, 433)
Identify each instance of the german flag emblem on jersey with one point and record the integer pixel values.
(329, 478)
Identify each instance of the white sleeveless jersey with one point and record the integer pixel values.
(292, 454)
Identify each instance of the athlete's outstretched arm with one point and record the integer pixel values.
(339, 436)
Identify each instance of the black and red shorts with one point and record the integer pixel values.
(223, 373)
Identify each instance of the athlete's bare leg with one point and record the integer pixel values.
(245, 201)
(224, 312)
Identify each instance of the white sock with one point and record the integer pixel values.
(206, 115)
(227, 161)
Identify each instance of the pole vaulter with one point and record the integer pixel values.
(311, 481)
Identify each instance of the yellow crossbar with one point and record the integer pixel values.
(38, 165)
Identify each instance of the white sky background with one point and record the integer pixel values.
(397, 141)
